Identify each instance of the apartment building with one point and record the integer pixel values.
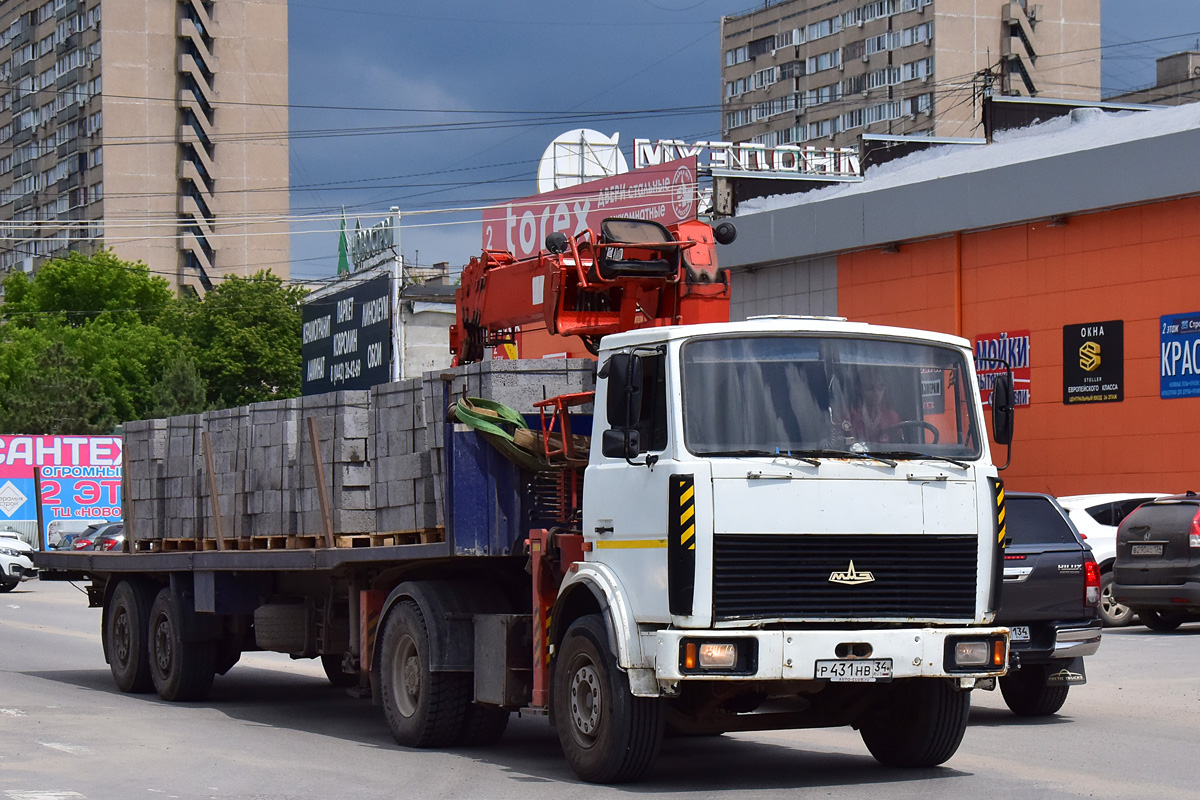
(825, 71)
(157, 128)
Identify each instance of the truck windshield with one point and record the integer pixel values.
(805, 395)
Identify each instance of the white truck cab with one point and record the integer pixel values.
(795, 522)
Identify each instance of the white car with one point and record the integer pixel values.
(16, 563)
(1097, 517)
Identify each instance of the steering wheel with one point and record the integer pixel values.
(914, 423)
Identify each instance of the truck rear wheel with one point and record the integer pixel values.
(181, 670)
(423, 708)
(126, 625)
(920, 723)
(1027, 695)
(607, 734)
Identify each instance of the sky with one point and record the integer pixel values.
(438, 109)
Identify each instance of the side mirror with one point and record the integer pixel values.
(624, 406)
(557, 243)
(624, 444)
(1002, 410)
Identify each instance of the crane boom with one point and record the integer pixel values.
(629, 274)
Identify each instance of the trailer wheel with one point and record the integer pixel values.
(607, 734)
(181, 670)
(919, 723)
(1027, 695)
(126, 625)
(423, 708)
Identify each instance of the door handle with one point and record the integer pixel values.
(603, 529)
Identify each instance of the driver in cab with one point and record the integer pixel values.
(873, 419)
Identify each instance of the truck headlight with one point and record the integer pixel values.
(718, 656)
(971, 654)
(968, 654)
(730, 656)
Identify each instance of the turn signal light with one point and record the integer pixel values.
(1194, 533)
(998, 653)
(689, 655)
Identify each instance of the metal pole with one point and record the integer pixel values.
(397, 322)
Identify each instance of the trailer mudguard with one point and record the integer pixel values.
(449, 608)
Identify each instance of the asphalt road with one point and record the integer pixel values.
(274, 729)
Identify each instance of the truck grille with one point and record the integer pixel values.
(787, 576)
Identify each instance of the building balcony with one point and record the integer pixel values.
(67, 45)
(187, 30)
(67, 10)
(69, 78)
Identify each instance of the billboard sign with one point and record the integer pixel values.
(1094, 362)
(665, 193)
(80, 480)
(370, 246)
(751, 160)
(346, 337)
(1179, 355)
(1009, 346)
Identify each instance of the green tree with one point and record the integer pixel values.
(56, 397)
(78, 289)
(88, 338)
(246, 340)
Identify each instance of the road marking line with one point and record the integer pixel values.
(13, 794)
(73, 749)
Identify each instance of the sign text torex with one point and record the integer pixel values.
(1094, 362)
(346, 338)
(1179, 355)
(665, 193)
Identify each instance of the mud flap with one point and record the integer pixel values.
(1067, 673)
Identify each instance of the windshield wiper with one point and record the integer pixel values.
(762, 454)
(849, 454)
(931, 457)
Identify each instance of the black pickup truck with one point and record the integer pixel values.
(1049, 600)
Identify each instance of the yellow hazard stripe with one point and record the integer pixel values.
(687, 514)
(631, 544)
(687, 495)
(687, 535)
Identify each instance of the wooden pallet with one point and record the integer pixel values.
(293, 542)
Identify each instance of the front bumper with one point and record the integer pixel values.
(793, 654)
(20, 569)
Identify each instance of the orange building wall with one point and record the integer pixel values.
(1132, 264)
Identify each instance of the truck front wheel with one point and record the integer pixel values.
(607, 734)
(181, 670)
(126, 625)
(423, 708)
(1027, 695)
(919, 723)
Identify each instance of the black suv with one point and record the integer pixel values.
(1049, 601)
(1157, 569)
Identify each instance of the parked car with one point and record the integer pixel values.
(16, 565)
(111, 538)
(86, 539)
(1048, 599)
(1097, 516)
(1157, 571)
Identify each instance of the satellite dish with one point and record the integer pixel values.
(579, 156)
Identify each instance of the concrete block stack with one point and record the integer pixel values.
(382, 453)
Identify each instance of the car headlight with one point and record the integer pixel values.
(9, 551)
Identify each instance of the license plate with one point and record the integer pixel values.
(1147, 550)
(862, 670)
(1019, 633)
